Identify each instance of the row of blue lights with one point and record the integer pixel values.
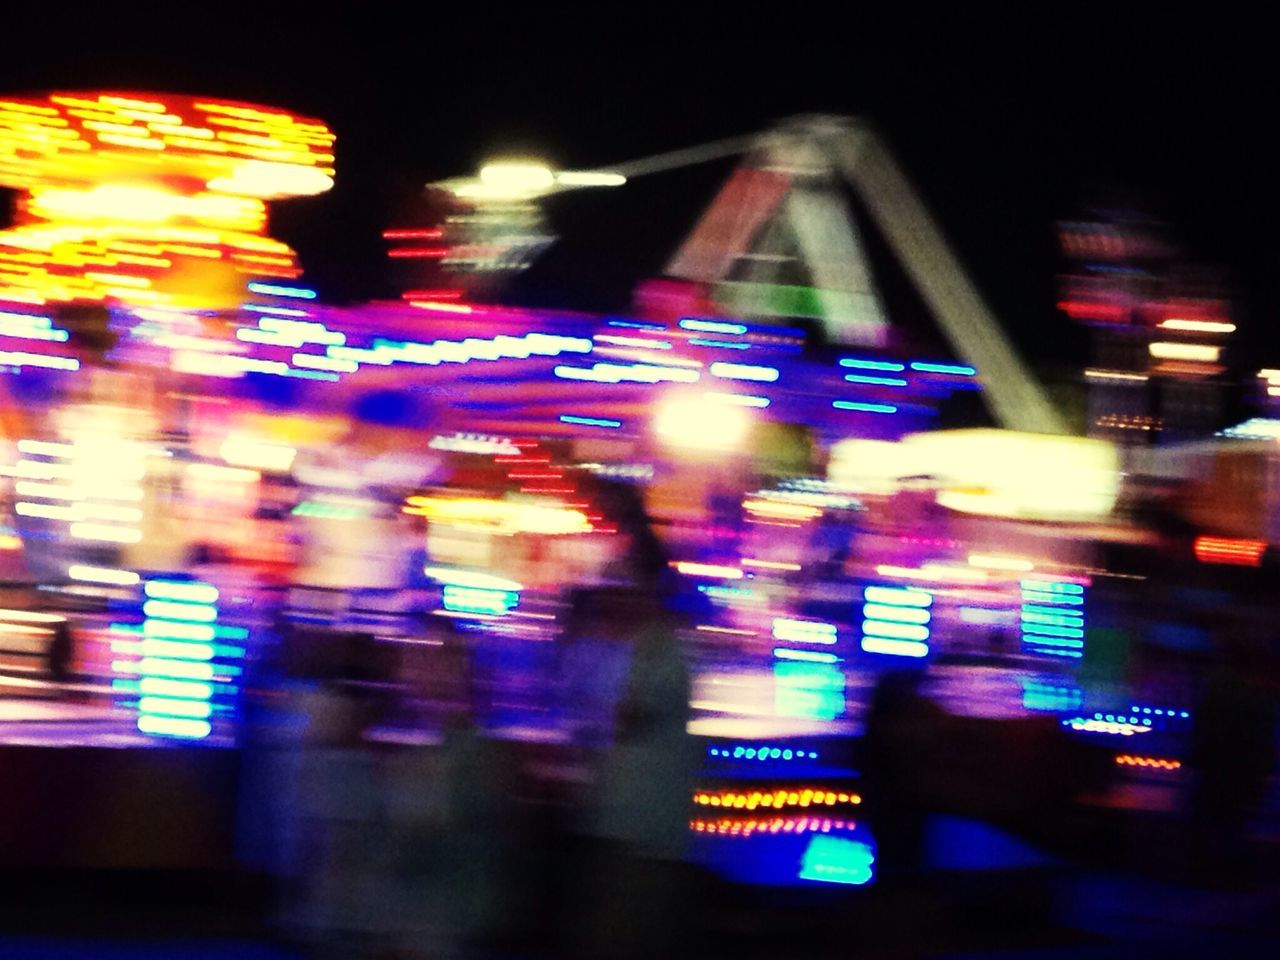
(179, 665)
(1052, 618)
(740, 752)
(1137, 717)
(893, 366)
(276, 290)
(1041, 695)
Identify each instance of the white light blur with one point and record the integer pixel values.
(895, 648)
(257, 455)
(45, 448)
(1199, 326)
(700, 423)
(216, 473)
(510, 178)
(105, 532)
(743, 371)
(181, 591)
(994, 562)
(589, 178)
(690, 569)
(106, 575)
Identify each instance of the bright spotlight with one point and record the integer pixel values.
(702, 422)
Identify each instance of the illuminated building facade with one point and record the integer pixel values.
(1157, 342)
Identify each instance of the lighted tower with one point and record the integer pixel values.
(1157, 337)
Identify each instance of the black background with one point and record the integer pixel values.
(1006, 121)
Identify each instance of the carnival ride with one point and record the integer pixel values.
(822, 530)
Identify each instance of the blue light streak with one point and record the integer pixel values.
(864, 407)
(875, 381)
(591, 421)
(858, 364)
(712, 326)
(948, 368)
(804, 656)
(636, 325)
(274, 290)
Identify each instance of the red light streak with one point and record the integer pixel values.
(1080, 309)
(404, 252)
(432, 295)
(433, 234)
(1228, 550)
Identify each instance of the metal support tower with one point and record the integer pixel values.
(784, 204)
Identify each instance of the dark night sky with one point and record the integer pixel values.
(1006, 122)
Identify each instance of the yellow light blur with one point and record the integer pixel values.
(699, 423)
(781, 510)
(106, 172)
(1114, 375)
(1167, 350)
(28, 616)
(257, 178)
(125, 204)
(1003, 473)
(499, 516)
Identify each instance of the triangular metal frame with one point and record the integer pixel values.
(794, 172)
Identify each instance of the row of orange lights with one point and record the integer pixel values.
(746, 827)
(1154, 763)
(777, 799)
(1230, 550)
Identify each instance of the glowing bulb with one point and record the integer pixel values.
(701, 423)
(516, 178)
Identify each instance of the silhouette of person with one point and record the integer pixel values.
(1232, 750)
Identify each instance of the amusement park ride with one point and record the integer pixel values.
(175, 397)
(225, 384)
